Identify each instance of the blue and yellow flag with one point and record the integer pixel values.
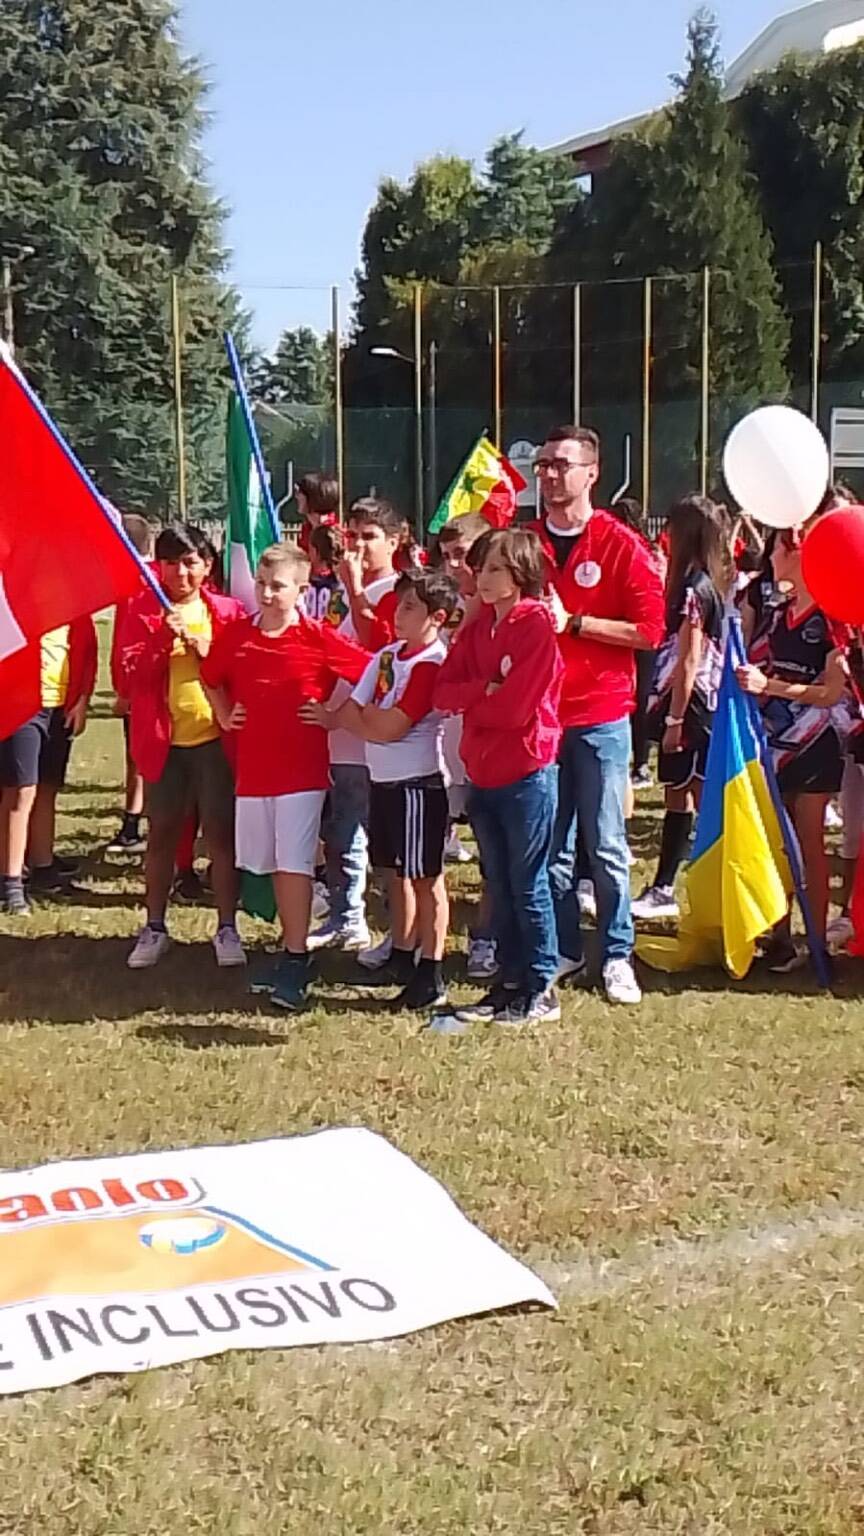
(739, 879)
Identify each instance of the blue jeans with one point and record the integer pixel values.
(595, 767)
(513, 826)
(343, 829)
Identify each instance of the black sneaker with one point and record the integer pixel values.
(532, 1008)
(292, 979)
(264, 973)
(49, 879)
(187, 888)
(399, 971)
(127, 841)
(421, 993)
(498, 1000)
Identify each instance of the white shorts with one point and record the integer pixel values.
(279, 832)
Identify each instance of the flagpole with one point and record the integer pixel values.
(75, 463)
(243, 397)
(790, 842)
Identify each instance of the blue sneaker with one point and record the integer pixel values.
(292, 979)
(262, 977)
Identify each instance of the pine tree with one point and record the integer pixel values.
(101, 172)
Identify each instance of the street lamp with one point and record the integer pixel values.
(403, 357)
(9, 252)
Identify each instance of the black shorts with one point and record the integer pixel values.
(195, 781)
(408, 827)
(677, 770)
(818, 770)
(37, 753)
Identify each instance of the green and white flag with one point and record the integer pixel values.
(248, 531)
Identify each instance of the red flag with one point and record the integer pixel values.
(62, 554)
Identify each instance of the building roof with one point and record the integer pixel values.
(819, 27)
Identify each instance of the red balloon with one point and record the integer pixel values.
(832, 564)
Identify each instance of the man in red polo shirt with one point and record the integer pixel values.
(609, 588)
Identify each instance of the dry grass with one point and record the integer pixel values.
(729, 1402)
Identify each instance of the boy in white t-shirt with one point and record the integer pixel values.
(391, 710)
(362, 608)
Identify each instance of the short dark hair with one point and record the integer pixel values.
(472, 526)
(435, 590)
(321, 489)
(327, 542)
(572, 434)
(521, 552)
(179, 539)
(374, 509)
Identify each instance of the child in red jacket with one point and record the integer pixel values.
(33, 762)
(174, 736)
(503, 675)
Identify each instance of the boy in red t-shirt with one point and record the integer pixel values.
(391, 711)
(259, 674)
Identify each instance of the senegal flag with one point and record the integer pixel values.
(249, 530)
(487, 483)
(739, 880)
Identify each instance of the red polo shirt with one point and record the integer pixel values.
(610, 573)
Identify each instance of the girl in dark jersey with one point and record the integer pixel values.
(686, 681)
(798, 670)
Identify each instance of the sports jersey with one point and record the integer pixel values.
(54, 670)
(381, 597)
(397, 678)
(607, 571)
(192, 720)
(701, 604)
(272, 675)
(318, 596)
(798, 647)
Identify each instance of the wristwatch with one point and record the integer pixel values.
(575, 625)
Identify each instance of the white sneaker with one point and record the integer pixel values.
(228, 948)
(320, 902)
(656, 901)
(373, 958)
(482, 959)
(150, 946)
(332, 936)
(455, 851)
(839, 931)
(620, 982)
(586, 898)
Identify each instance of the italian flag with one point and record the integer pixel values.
(487, 483)
(249, 530)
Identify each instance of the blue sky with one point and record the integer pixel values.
(313, 101)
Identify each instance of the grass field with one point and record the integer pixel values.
(688, 1177)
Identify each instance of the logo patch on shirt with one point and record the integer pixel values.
(588, 574)
(506, 665)
(812, 632)
(384, 680)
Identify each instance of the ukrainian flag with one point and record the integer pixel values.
(739, 879)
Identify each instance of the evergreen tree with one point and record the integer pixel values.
(300, 372)
(678, 197)
(101, 172)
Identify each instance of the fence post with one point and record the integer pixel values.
(705, 433)
(178, 398)
(338, 405)
(419, 510)
(647, 339)
(817, 331)
(496, 364)
(577, 354)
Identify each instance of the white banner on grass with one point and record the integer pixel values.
(124, 1263)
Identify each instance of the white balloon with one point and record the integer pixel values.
(776, 465)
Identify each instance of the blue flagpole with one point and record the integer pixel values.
(117, 526)
(817, 949)
(243, 397)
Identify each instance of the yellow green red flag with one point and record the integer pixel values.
(487, 483)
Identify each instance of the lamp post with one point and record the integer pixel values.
(432, 406)
(14, 251)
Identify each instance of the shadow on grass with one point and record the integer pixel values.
(202, 1037)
